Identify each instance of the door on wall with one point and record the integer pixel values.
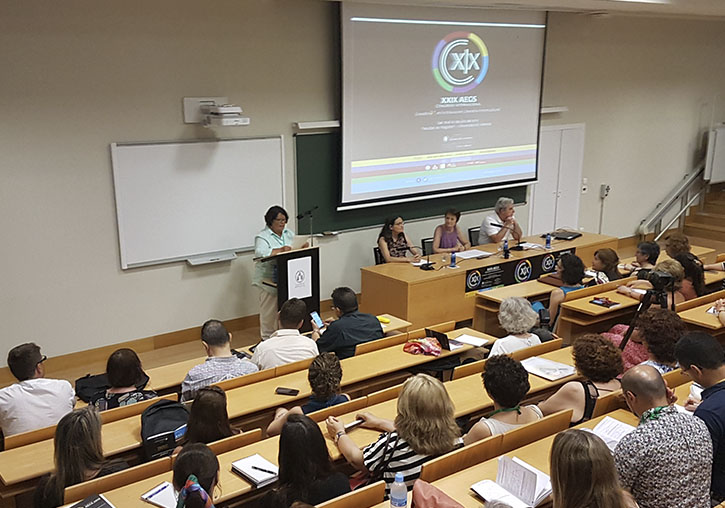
(555, 197)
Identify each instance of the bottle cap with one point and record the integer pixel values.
(399, 477)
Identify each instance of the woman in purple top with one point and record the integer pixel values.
(448, 236)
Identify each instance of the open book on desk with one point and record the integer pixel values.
(256, 470)
(612, 431)
(548, 369)
(518, 484)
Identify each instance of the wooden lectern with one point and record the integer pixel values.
(297, 276)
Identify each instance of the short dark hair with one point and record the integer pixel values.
(123, 368)
(572, 268)
(505, 380)
(649, 249)
(693, 271)
(597, 358)
(324, 376)
(699, 349)
(677, 243)
(214, 333)
(661, 329)
(23, 360)
(208, 418)
(199, 460)
(272, 214)
(344, 299)
(454, 212)
(292, 312)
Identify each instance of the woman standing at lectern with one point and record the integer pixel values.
(274, 239)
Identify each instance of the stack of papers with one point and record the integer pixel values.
(163, 495)
(471, 340)
(473, 253)
(256, 470)
(94, 501)
(518, 484)
(548, 369)
(612, 431)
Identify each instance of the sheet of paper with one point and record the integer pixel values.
(455, 344)
(419, 263)
(162, 495)
(300, 241)
(529, 245)
(470, 339)
(543, 481)
(612, 431)
(548, 369)
(712, 310)
(518, 480)
(299, 277)
(491, 491)
(472, 253)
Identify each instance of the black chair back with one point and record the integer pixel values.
(378, 256)
(427, 244)
(473, 235)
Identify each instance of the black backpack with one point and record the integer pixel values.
(163, 424)
(88, 385)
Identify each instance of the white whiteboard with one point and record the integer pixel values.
(715, 161)
(178, 200)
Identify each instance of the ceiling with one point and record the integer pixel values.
(668, 8)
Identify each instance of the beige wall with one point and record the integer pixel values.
(77, 75)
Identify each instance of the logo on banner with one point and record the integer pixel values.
(460, 62)
(548, 263)
(300, 277)
(473, 280)
(523, 271)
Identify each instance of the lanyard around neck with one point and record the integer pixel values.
(506, 410)
(652, 414)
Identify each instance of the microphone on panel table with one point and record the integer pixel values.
(428, 265)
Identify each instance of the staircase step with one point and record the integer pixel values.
(714, 207)
(705, 230)
(713, 219)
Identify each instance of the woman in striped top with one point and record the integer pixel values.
(423, 429)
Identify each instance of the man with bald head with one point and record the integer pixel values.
(667, 460)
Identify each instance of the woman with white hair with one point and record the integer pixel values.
(516, 317)
(501, 225)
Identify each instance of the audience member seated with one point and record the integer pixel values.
(668, 266)
(605, 267)
(701, 357)
(677, 243)
(424, 428)
(306, 471)
(286, 345)
(208, 418)
(660, 330)
(598, 362)
(570, 269)
(583, 473)
(720, 309)
(196, 475)
(667, 459)
(718, 267)
(78, 457)
(507, 383)
(500, 225)
(516, 317)
(448, 237)
(34, 401)
(351, 327)
(693, 285)
(645, 258)
(324, 376)
(220, 365)
(394, 243)
(124, 373)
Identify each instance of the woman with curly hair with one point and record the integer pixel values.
(507, 383)
(660, 330)
(324, 376)
(424, 428)
(598, 362)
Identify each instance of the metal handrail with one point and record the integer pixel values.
(679, 214)
(664, 206)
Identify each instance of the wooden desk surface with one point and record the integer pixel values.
(458, 485)
(413, 274)
(700, 317)
(585, 306)
(34, 460)
(528, 289)
(467, 393)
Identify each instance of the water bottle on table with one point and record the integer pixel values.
(506, 251)
(398, 492)
(453, 259)
(548, 240)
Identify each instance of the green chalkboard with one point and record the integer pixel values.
(319, 161)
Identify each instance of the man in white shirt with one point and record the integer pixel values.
(34, 402)
(501, 225)
(286, 345)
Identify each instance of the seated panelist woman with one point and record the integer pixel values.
(394, 244)
(448, 236)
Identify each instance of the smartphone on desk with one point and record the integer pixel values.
(317, 320)
(286, 391)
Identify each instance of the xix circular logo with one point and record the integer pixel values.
(523, 271)
(473, 281)
(548, 263)
(460, 62)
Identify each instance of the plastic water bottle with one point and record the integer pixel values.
(453, 259)
(398, 492)
(548, 240)
(506, 249)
